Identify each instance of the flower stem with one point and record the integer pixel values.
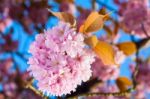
(29, 86)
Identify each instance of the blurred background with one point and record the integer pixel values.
(21, 20)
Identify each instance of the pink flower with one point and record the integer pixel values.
(60, 61)
(2, 96)
(136, 17)
(2, 26)
(5, 65)
(104, 72)
(144, 29)
(68, 7)
(140, 92)
(143, 76)
(9, 88)
(105, 88)
(5, 21)
(142, 79)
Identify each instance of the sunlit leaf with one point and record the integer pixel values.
(91, 41)
(66, 17)
(123, 83)
(81, 29)
(128, 48)
(107, 16)
(105, 52)
(93, 23)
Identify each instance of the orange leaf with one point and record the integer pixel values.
(128, 48)
(91, 41)
(66, 17)
(93, 23)
(123, 83)
(105, 52)
(81, 29)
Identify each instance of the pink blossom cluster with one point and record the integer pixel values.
(68, 7)
(60, 61)
(5, 20)
(104, 72)
(9, 88)
(135, 17)
(103, 87)
(143, 82)
(27, 14)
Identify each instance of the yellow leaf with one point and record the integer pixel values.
(123, 83)
(128, 48)
(91, 41)
(107, 16)
(81, 28)
(66, 17)
(105, 52)
(93, 23)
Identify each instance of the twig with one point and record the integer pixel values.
(144, 30)
(136, 68)
(93, 4)
(21, 56)
(117, 93)
(107, 6)
(29, 86)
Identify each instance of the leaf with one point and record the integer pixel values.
(93, 23)
(123, 83)
(128, 48)
(105, 52)
(66, 17)
(81, 29)
(91, 41)
(107, 16)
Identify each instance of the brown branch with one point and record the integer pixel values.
(144, 30)
(29, 86)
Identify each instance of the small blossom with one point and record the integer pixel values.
(105, 88)
(142, 79)
(104, 72)
(68, 7)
